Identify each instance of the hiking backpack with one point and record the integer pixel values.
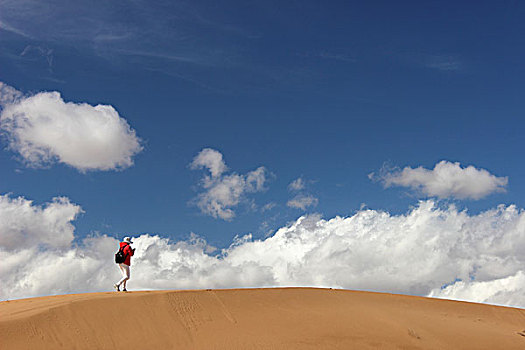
(120, 257)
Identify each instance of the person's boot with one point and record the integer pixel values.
(117, 287)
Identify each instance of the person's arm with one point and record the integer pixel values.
(131, 251)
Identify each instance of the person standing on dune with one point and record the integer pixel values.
(123, 259)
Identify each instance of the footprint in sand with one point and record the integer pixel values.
(413, 333)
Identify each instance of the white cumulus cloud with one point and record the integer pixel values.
(8, 94)
(297, 184)
(429, 251)
(302, 201)
(23, 224)
(223, 192)
(503, 291)
(210, 159)
(446, 180)
(43, 128)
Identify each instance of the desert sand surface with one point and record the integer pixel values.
(275, 318)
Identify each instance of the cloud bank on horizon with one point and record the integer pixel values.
(221, 193)
(430, 251)
(446, 180)
(43, 129)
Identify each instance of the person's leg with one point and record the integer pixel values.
(117, 285)
(124, 269)
(125, 275)
(128, 275)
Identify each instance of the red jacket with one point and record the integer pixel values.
(128, 252)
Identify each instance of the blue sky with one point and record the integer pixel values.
(326, 92)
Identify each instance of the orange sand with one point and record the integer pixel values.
(280, 318)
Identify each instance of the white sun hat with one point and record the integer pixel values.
(127, 240)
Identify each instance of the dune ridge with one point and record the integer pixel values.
(273, 318)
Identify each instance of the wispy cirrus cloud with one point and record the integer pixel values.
(441, 62)
(199, 44)
(32, 52)
(144, 30)
(444, 64)
(342, 56)
(8, 28)
(183, 40)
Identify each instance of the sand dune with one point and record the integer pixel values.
(280, 318)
